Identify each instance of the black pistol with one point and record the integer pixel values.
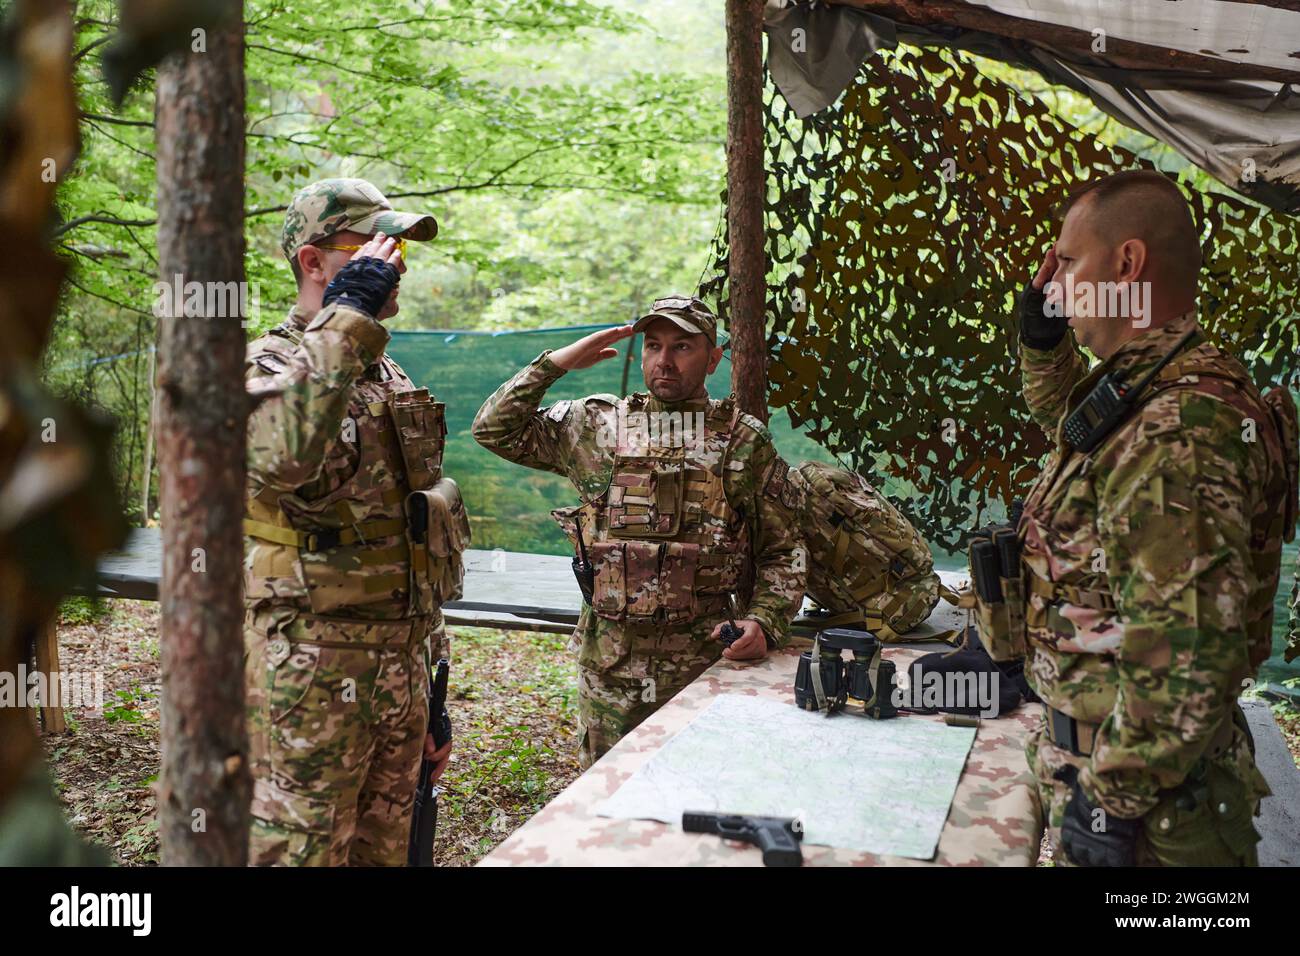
(777, 837)
(582, 567)
(424, 818)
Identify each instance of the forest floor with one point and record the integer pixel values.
(513, 701)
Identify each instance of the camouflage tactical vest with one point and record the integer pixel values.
(864, 556)
(666, 544)
(1085, 599)
(353, 547)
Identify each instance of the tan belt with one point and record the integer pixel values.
(401, 632)
(326, 537)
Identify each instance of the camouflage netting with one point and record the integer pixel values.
(901, 224)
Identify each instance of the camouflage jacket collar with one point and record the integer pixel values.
(299, 318)
(1136, 356)
(653, 404)
(293, 327)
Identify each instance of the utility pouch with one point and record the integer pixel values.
(439, 528)
(1205, 821)
(422, 433)
(676, 580)
(609, 597)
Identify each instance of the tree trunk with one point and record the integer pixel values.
(746, 180)
(204, 787)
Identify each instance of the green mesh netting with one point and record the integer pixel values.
(901, 223)
(509, 505)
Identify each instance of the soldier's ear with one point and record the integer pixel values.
(715, 357)
(311, 263)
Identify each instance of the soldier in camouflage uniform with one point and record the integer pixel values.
(1151, 562)
(684, 501)
(340, 616)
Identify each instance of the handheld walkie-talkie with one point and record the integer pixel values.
(583, 569)
(1111, 400)
(730, 633)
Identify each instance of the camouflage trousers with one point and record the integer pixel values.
(628, 671)
(337, 716)
(1212, 828)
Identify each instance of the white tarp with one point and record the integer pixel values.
(1244, 132)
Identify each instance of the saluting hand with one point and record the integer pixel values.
(590, 349)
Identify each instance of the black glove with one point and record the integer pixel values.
(363, 284)
(1114, 845)
(1038, 330)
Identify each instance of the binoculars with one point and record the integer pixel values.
(825, 680)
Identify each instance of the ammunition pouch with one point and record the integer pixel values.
(646, 499)
(422, 433)
(665, 581)
(999, 594)
(440, 534)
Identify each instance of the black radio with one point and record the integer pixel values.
(1111, 400)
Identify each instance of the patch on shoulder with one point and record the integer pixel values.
(272, 363)
(754, 423)
(559, 411)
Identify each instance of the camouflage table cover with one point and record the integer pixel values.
(993, 820)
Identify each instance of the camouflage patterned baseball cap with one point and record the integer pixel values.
(333, 205)
(686, 312)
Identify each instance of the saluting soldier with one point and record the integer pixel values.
(1151, 542)
(685, 501)
(342, 609)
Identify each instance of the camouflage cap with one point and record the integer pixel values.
(333, 205)
(686, 312)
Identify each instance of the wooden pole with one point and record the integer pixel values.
(746, 186)
(204, 786)
(47, 663)
(148, 440)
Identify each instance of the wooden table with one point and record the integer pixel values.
(993, 821)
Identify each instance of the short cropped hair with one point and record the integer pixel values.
(1148, 205)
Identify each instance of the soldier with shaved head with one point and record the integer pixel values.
(1151, 543)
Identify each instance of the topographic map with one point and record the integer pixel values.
(879, 786)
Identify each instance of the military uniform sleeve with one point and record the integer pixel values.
(1047, 376)
(301, 402)
(1174, 520)
(780, 561)
(511, 423)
